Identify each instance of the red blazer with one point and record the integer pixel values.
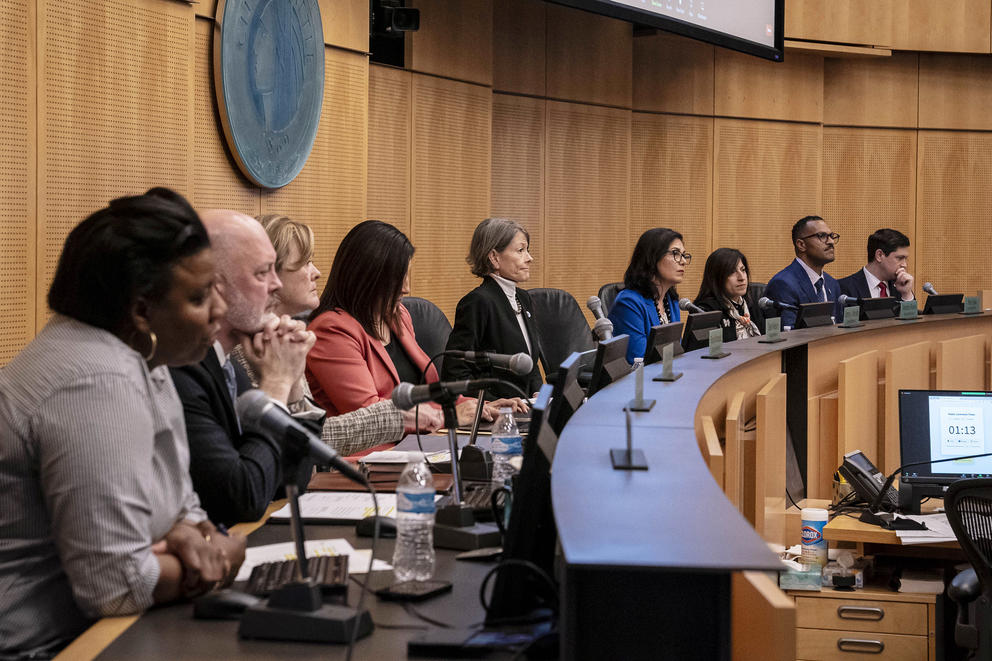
(348, 369)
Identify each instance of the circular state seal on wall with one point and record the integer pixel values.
(269, 76)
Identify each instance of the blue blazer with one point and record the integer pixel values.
(791, 285)
(634, 315)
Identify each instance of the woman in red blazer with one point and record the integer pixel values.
(365, 342)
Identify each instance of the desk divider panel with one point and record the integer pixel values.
(762, 619)
(985, 298)
(712, 451)
(826, 451)
(857, 394)
(769, 462)
(906, 367)
(734, 452)
(961, 363)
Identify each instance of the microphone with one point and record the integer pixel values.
(928, 288)
(258, 411)
(406, 395)
(846, 300)
(603, 329)
(596, 307)
(519, 363)
(891, 478)
(689, 306)
(768, 305)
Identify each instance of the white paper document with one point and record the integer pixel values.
(403, 456)
(938, 530)
(339, 506)
(358, 560)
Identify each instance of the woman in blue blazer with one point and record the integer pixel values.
(649, 297)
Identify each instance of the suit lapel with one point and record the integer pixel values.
(804, 283)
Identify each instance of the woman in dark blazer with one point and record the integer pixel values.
(497, 316)
(724, 288)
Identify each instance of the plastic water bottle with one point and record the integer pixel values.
(413, 557)
(506, 444)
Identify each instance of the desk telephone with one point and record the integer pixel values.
(866, 480)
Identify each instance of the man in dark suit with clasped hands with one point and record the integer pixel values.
(804, 280)
(885, 274)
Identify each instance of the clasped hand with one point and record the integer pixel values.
(278, 354)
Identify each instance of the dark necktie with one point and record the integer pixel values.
(882, 291)
(819, 290)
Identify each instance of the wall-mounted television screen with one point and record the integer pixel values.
(751, 26)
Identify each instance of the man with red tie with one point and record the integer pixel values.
(886, 273)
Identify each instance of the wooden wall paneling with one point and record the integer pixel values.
(906, 367)
(770, 461)
(840, 21)
(874, 91)
(345, 23)
(961, 363)
(961, 26)
(115, 111)
(589, 57)
(766, 176)
(747, 86)
(329, 193)
(518, 171)
(955, 92)
(455, 40)
(587, 238)
(673, 74)
(671, 163)
(390, 117)
(869, 182)
(217, 181)
(762, 619)
(452, 145)
(733, 480)
(954, 195)
(519, 46)
(857, 393)
(712, 450)
(18, 213)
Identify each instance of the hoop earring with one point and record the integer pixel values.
(151, 353)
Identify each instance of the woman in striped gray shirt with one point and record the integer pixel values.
(98, 515)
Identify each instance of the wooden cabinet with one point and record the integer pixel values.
(874, 623)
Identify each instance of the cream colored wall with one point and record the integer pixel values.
(563, 119)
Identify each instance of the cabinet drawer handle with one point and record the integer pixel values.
(859, 645)
(860, 613)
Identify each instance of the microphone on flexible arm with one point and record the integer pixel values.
(519, 363)
(603, 327)
(768, 305)
(846, 300)
(689, 306)
(877, 503)
(928, 288)
(258, 411)
(406, 395)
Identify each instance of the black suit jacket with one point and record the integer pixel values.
(856, 285)
(484, 321)
(236, 474)
(728, 323)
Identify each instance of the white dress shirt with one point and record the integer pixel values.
(509, 288)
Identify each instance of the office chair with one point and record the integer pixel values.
(561, 324)
(755, 290)
(430, 326)
(608, 294)
(969, 511)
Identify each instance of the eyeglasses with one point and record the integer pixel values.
(679, 256)
(823, 236)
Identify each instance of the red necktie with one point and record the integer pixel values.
(882, 292)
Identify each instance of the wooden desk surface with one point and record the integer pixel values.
(850, 529)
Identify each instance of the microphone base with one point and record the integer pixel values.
(857, 325)
(970, 314)
(457, 515)
(674, 376)
(624, 460)
(330, 623)
(767, 340)
(467, 538)
(640, 405)
(718, 356)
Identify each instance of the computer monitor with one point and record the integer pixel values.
(659, 337)
(568, 393)
(698, 327)
(531, 534)
(611, 363)
(878, 308)
(944, 304)
(815, 314)
(942, 424)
